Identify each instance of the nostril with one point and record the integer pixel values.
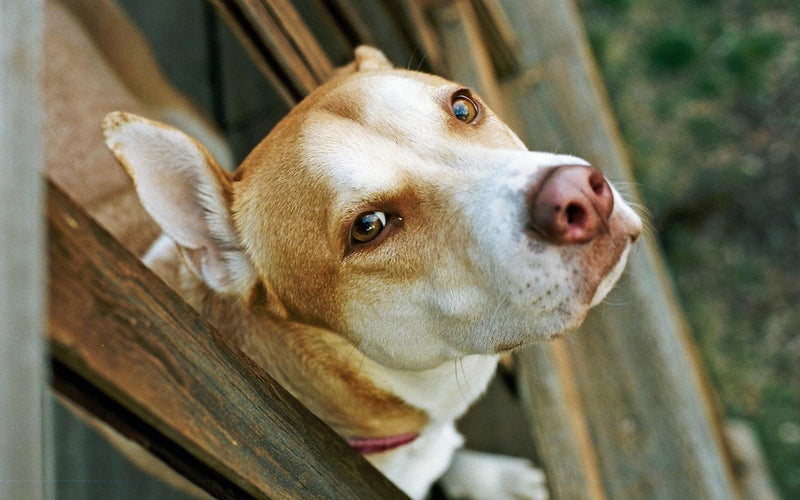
(576, 214)
(597, 182)
(604, 197)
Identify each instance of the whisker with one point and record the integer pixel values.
(413, 55)
(360, 361)
(421, 61)
(466, 379)
(411, 59)
(559, 146)
(458, 383)
(350, 354)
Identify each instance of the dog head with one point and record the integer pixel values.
(394, 208)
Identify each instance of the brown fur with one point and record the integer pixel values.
(311, 363)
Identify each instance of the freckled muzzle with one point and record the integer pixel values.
(572, 204)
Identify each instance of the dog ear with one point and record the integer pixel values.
(369, 58)
(366, 59)
(186, 193)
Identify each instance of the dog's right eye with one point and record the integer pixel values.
(367, 227)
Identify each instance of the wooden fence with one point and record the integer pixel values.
(620, 409)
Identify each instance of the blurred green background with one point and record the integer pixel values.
(707, 94)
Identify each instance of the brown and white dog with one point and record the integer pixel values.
(378, 251)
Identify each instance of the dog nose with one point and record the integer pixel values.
(571, 205)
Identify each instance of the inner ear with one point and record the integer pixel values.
(186, 193)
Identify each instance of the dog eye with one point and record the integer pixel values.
(367, 227)
(464, 108)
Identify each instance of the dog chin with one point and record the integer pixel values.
(568, 319)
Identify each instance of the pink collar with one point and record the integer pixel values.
(366, 446)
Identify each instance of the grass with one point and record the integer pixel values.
(707, 93)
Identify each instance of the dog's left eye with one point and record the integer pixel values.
(367, 227)
(464, 108)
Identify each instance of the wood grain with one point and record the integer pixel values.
(280, 44)
(116, 326)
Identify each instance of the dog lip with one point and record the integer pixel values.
(635, 230)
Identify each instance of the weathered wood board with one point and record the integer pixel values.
(186, 394)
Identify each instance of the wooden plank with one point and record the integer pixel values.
(280, 43)
(426, 34)
(389, 29)
(22, 465)
(350, 22)
(97, 456)
(481, 24)
(500, 38)
(301, 37)
(653, 428)
(259, 52)
(332, 32)
(466, 54)
(253, 104)
(557, 421)
(116, 326)
(88, 466)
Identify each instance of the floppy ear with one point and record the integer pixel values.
(186, 193)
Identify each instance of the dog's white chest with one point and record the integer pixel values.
(444, 392)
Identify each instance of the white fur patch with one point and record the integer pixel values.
(415, 466)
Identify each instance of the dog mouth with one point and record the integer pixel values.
(608, 271)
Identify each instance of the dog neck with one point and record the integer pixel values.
(316, 366)
(371, 405)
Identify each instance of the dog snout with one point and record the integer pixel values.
(572, 204)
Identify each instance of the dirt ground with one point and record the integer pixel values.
(707, 94)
